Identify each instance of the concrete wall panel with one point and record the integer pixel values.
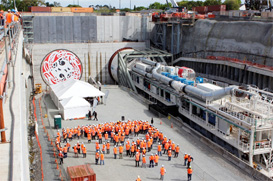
(84, 29)
(36, 30)
(77, 29)
(80, 29)
(92, 28)
(116, 28)
(60, 29)
(68, 30)
(52, 29)
(44, 29)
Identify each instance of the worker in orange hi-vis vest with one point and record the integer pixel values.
(185, 159)
(151, 161)
(101, 158)
(120, 151)
(84, 151)
(97, 156)
(159, 149)
(144, 161)
(68, 146)
(156, 159)
(137, 159)
(75, 150)
(162, 172)
(177, 148)
(9, 18)
(169, 154)
(103, 148)
(127, 149)
(65, 151)
(190, 159)
(61, 156)
(138, 178)
(115, 150)
(189, 173)
(108, 147)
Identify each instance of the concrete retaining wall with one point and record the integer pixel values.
(248, 40)
(100, 54)
(239, 39)
(86, 29)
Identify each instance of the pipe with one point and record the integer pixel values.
(208, 96)
(180, 87)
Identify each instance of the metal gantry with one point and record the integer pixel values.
(125, 58)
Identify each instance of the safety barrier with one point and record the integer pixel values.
(61, 171)
(235, 60)
(37, 138)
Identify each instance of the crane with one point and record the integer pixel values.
(175, 7)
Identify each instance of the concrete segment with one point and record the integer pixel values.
(207, 164)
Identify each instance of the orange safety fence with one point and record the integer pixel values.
(51, 141)
(38, 141)
(235, 60)
(3, 80)
(34, 109)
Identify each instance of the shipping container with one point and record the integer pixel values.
(200, 9)
(60, 9)
(81, 173)
(39, 9)
(82, 10)
(216, 8)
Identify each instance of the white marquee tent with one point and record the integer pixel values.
(71, 88)
(74, 107)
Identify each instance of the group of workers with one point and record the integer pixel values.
(9, 17)
(118, 133)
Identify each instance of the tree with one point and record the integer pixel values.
(74, 5)
(157, 5)
(232, 4)
(126, 10)
(55, 4)
(22, 5)
(139, 8)
(190, 4)
(212, 2)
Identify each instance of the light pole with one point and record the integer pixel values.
(119, 4)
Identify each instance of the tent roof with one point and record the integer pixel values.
(78, 88)
(72, 102)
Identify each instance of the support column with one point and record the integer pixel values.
(239, 135)
(207, 118)
(251, 143)
(258, 136)
(172, 40)
(216, 123)
(164, 36)
(190, 109)
(178, 38)
(271, 139)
